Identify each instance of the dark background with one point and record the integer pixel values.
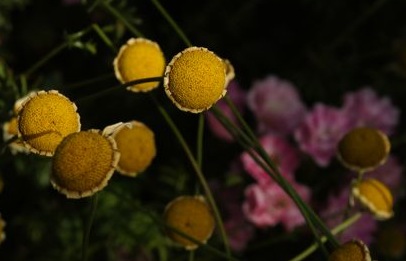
(325, 48)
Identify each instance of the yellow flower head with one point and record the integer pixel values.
(139, 58)
(192, 216)
(10, 128)
(10, 131)
(44, 119)
(136, 144)
(354, 250)
(230, 73)
(196, 79)
(363, 149)
(375, 196)
(2, 232)
(83, 163)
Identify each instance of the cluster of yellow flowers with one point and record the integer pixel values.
(362, 150)
(83, 161)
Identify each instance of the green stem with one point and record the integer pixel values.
(356, 24)
(46, 58)
(191, 255)
(172, 22)
(89, 81)
(104, 37)
(266, 163)
(200, 134)
(118, 87)
(282, 181)
(198, 172)
(117, 14)
(336, 230)
(88, 228)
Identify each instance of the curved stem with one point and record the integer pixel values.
(338, 229)
(88, 228)
(198, 172)
(117, 87)
(172, 22)
(117, 14)
(46, 58)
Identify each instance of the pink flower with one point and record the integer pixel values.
(389, 173)
(365, 108)
(239, 230)
(280, 151)
(320, 132)
(276, 105)
(237, 96)
(267, 205)
(333, 215)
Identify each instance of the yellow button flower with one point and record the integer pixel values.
(192, 216)
(44, 119)
(10, 131)
(139, 58)
(83, 163)
(363, 149)
(195, 79)
(375, 196)
(136, 144)
(2, 232)
(10, 128)
(354, 250)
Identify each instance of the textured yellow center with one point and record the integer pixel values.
(375, 195)
(83, 162)
(192, 216)
(363, 148)
(137, 148)
(45, 120)
(195, 79)
(140, 58)
(350, 251)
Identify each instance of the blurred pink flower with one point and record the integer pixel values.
(333, 215)
(389, 173)
(276, 105)
(320, 132)
(238, 97)
(365, 108)
(280, 151)
(238, 229)
(268, 205)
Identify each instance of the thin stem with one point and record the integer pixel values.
(356, 24)
(117, 14)
(89, 81)
(200, 134)
(281, 181)
(88, 228)
(104, 37)
(117, 87)
(191, 255)
(198, 172)
(46, 58)
(336, 230)
(172, 22)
